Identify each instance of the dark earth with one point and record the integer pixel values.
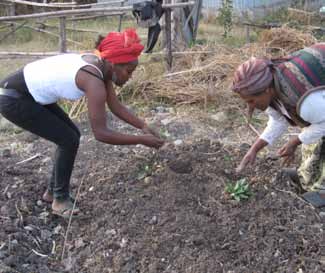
(147, 211)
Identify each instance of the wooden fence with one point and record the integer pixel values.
(71, 9)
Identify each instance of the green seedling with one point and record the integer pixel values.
(240, 191)
(145, 170)
(256, 121)
(164, 134)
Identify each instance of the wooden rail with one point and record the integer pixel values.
(63, 5)
(65, 13)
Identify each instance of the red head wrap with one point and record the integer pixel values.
(253, 76)
(121, 47)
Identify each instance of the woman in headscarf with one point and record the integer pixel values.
(28, 98)
(292, 92)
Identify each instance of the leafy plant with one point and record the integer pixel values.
(225, 16)
(145, 170)
(164, 134)
(239, 191)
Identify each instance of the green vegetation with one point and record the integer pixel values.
(240, 191)
(225, 16)
(145, 170)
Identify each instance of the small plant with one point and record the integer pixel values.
(145, 170)
(240, 191)
(225, 16)
(164, 134)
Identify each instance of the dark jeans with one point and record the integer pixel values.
(49, 122)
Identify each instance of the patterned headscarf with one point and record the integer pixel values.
(120, 47)
(253, 76)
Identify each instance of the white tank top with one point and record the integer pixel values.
(54, 78)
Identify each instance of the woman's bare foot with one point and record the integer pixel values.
(63, 208)
(47, 197)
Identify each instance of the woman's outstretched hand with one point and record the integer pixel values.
(150, 130)
(287, 151)
(152, 141)
(248, 159)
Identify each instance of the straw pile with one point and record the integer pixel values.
(286, 39)
(204, 77)
(198, 78)
(301, 16)
(208, 77)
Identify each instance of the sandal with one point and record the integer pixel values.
(314, 198)
(66, 212)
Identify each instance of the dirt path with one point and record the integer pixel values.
(157, 211)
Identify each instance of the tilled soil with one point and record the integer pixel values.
(155, 211)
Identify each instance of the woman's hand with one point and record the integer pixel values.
(150, 130)
(248, 159)
(151, 141)
(287, 151)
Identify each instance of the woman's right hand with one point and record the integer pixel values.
(248, 159)
(152, 141)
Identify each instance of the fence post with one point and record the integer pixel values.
(169, 55)
(121, 18)
(63, 36)
(248, 40)
(12, 10)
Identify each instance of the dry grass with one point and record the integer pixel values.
(202, 77)
(207, 77)
(286, 39)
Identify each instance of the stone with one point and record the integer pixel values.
(219, 117)
(46, 234)
(181, 165)
(153, 220)
(148, 180)
(111, 232)
(79, 243)
(178, 142)
(166, 121)
(14, 145)
(57, 229)
(4, 210)
(123, 242)
(161, 109)
(43, 215)
(29, 148)
(5, 153)
(29, 228)
(277, 253)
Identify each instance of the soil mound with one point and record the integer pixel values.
(159, 211)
